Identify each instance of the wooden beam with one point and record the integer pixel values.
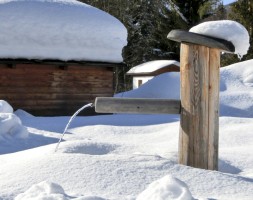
(137, 105)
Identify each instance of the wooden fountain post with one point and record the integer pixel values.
(199, 106)
(200, 78)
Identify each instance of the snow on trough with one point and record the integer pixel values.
(228, 30)
(59, 29)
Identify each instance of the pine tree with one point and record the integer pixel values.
(197, 11)
(148, 22)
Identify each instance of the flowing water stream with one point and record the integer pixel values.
(71, 119)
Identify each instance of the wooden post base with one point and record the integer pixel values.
(199, 129)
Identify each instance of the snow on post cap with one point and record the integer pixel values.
(59, 29)
(228, 30)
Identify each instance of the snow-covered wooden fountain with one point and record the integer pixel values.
(199, 104)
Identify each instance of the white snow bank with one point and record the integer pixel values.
(42, 191)
(11, 127)
(59, 29)
(22, 113)
(152, 66)
(50, 191)
(236, 85)
(10, 124)
(167, 187)
(5, 107)
(228, 30)
(162, 86)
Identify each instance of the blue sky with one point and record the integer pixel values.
(225, 2)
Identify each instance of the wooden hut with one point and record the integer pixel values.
(55, 63)
(146, 71)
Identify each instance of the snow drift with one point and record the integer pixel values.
(167, 187)
(236, 85)
(10, 124)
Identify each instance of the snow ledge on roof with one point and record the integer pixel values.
(59, 29)
(152, 66)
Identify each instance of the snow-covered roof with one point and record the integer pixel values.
(152, 66)
(59, 29)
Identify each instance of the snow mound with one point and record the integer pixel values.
(59, 29)
(11, 127)
(22, 114)
(5, 107)
(228, 30)
(49, 191)
(43, 191)
(166, 85)
(236, 85)
(166, 188)
(10, 124)
(87, 147)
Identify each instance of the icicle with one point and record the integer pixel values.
(71, 119)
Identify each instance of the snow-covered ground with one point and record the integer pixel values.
(127, 157)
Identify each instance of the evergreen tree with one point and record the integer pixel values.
(190, 9)
(148, 23)
(197, 11)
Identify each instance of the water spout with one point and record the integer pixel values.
(71, 119)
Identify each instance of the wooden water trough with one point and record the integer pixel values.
(199, 105)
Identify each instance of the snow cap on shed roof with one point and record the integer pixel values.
(151, 67)
(59, 29)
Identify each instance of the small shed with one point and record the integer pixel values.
(57, 55)
(146, 71)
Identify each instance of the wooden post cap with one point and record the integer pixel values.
(199, 39)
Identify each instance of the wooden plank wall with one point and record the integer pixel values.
(52, 89)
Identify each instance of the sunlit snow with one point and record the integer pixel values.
(59, 29)
(125, 156)
(228, 30)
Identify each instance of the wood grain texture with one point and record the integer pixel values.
(39, 88)
(137, 105)
(199, 95)
(214, 89)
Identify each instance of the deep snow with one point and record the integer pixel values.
(117, 157)
(228, 30)
(59, 29)
(124, 157)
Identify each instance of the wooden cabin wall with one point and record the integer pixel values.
(51, 90)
